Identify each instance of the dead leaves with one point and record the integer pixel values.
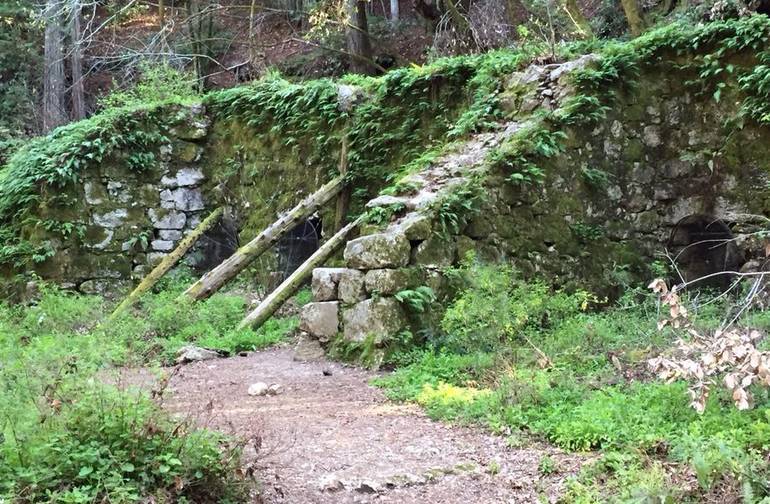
(702, 358)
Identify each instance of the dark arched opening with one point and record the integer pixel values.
(702, 246)
(296, 246)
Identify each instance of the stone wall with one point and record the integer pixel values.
(609, 206)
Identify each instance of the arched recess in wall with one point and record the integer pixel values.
(702, 246)
(298, 245)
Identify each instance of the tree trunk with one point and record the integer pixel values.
(578, 19)
(169, 261)
(292, 284)
(359, 44)
(161, 13)
(76, 64)
(394, 11)
(633, 16)
(53, 76)
(216, 278)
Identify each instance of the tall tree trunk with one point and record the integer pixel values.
(633, 16)
(394, 11)
(359, 45)
(54, 113)
(76, 64)
(161, 13)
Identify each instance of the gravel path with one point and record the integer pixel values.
(332, 438)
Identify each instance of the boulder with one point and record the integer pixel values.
(382, 317)
(192, 353)
(387, 282)
(320, 319)
(308, 349)
(324, 284)
(162, 219)
(185, 177)
(415, 226)
(380, 250)
(351, 286)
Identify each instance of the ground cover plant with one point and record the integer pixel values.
(573, 369)
(71, 432)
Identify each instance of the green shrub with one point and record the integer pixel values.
(87, 442)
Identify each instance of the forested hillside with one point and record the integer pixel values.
(381, 251)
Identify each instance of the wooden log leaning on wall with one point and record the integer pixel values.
(169, 261)
(216, 278)
(292, 284)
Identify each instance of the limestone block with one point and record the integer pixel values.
(183, 198)
(324, 283)
(388, 282)
(162, 245)
(170, 234)
(351, 286)
(163, 219)
(185, 177)
(111, 219)
(308, 349)
(382, 318)
(95, 192)
(415, 226)
(381, 250)
(320, 319)
(435, 252)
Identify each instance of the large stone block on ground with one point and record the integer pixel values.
(320, 319)
(308, 349)
(382, 318)
(387, 282)
(351, 286)
(324, 284)
(375, 251)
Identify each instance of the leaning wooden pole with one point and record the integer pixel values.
(216, 278)
(292, 284)
(169, 261)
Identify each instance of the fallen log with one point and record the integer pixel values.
(169, 261)
(292, 284)
(216, 278)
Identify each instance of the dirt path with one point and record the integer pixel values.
(335, 439)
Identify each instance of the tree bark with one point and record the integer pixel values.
(216, 278)
(53, 76)
(169, 261)
(394, 11)
(76, 64)
(359, 44)
(633, 16)
(292, 284)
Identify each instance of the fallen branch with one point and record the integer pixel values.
(169, 261)
(216, 278)
(292, 284)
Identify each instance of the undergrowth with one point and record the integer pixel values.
(71, 432)
(521, 359)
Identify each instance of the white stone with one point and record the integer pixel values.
(380, 250)
(162, 245)
(91, 194)
(170, 234)
(351, 286)
(167, 220)
(111, 219)
(324, 283)
(258, 389)
(185, 177)
(320, 319)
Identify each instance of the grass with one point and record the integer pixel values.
(67, 436)
(592, 393)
